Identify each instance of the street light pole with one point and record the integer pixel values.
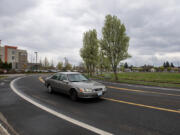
(36, 56)
(36, 59)
(0, 51)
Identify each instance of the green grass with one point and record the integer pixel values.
(154, 79)
(2, 77)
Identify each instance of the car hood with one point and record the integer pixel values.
(88, 84)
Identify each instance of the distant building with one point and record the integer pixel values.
(33, 66)
(152, 70)
(11, 54)
(127, 70)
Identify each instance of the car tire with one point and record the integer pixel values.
(73, 95)
(50, 89)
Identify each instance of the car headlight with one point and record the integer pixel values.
(86, 90)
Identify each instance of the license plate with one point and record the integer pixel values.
(99, 93)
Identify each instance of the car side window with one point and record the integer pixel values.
(63, 77)
(55, 77)
(59, 77)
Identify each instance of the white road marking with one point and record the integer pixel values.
(4, 130)
(62, 116)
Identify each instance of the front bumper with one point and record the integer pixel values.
(90, 95)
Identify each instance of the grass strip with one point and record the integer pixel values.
(171, 80)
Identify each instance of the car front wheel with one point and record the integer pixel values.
(73, 95)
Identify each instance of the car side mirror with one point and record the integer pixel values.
(65, 81)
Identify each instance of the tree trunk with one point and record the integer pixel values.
(90, 69)
(101, 71)
(115, 74)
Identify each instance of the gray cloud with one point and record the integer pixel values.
(9, 8)
(55, 28)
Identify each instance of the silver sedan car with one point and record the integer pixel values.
(74, 84)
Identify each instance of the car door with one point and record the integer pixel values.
(59, 84)
(64, 85)
(53, 82)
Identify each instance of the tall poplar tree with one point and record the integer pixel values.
(114, 42)
(89, 51)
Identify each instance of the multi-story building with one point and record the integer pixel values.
(11, 54)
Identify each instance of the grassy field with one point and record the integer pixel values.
(154, 79)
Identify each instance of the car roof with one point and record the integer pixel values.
(68, 73)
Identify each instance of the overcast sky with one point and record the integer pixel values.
(54, 28)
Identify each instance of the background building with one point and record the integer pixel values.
(11, 54)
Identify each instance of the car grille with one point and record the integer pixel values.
(98, 89)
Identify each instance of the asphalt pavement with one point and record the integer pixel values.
(124, 110)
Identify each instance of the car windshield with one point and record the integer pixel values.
(76, 78)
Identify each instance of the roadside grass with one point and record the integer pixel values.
(153, 79)
(1, 77)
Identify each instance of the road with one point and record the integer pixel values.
(124, 110)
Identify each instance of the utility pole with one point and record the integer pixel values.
(36, 56)
(36, 59)
(0, 51)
